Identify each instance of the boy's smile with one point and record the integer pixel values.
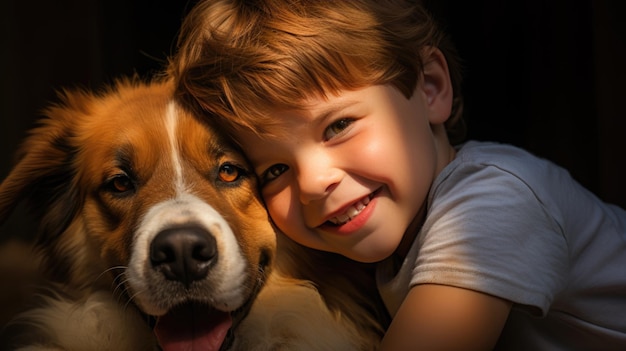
(349, 173)
(351, 213)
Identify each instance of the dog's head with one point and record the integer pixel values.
(135, 194)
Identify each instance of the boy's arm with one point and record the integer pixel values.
(439, 317)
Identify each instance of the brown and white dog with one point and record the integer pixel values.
(153, 237)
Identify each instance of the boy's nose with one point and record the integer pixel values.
(316, 179)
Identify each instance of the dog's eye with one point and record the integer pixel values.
(229, 173)
(120, 184)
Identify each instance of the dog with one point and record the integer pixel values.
(152, 236)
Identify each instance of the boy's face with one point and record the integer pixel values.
(353, 172)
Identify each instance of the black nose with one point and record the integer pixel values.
(183, 254)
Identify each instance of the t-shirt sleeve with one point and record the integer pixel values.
(487, 231)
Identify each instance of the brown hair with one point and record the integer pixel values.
(238, 59)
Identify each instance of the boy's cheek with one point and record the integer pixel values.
(278, 210)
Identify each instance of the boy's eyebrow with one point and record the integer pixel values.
(333, 109)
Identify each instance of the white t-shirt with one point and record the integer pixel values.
(506, 223)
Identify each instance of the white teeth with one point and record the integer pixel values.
(351, 212)
(341, 219)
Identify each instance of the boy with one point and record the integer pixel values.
(349, 112)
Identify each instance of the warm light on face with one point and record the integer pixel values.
(352, 174)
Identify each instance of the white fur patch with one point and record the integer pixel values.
(172, 126)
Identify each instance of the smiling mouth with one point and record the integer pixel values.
(351, 212)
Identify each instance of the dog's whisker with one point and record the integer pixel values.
(121, 288)
(119, 282)
(131, 298)
(113, 268)
(108, 270)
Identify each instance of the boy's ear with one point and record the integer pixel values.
(437, 86)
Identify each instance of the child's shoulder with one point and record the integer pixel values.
(496, 154)
(479, 155)
(501, 169)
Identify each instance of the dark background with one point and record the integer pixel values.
(548, 76)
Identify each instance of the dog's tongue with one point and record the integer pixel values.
(192, 327)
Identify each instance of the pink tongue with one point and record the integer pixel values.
(192, 327)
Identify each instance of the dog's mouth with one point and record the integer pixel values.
(199, 326)
(193, 326)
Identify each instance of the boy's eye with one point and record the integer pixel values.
(273, 172)
(337, 127)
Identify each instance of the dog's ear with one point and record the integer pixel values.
(44, 175)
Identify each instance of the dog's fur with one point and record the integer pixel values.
(149, 216)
